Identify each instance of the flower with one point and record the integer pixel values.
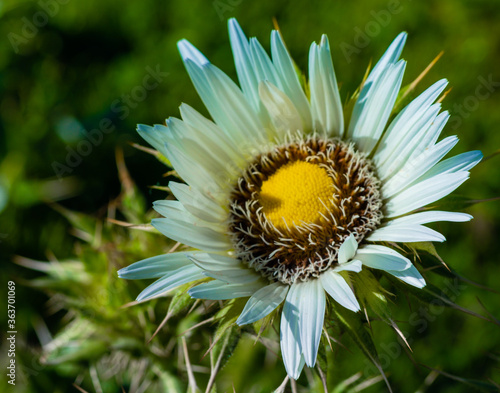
(284, 197)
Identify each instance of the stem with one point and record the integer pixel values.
(323, 378)
(215, 370)
(191, 379)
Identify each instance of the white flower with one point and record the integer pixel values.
(281, 195)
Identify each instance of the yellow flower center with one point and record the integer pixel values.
(298, 192)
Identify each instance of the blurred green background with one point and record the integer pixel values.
(68, 67)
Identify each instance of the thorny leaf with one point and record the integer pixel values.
(322, 358)
(372, 295)
(361, 336)
(227, 319)
(483, 386)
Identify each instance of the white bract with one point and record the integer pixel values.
(267, 136)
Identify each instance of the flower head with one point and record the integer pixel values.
(284, 199)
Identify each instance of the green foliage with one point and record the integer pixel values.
(359, 332)
(101, 324)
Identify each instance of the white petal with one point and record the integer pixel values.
(425, 192)
(213, 262)
(227, 104)
(283, 113)
(289, 78)
(417, 166)
(431, 216)
(153, 137)
(406, 233)
(203, 126)
(188, 51)
(197, 203)
(431, 136)
(196, 237)
(460, 163)
(243, 62)
(390, 56)
(203, 150)
(219, 290)
(154, 267)
(262, 303)
(339, 290)
(264, 68)
(291, 347)
(312, 313)
(175, 210)
(407, 125)
(348, 249)
(377, 97)
(233, 276)
(192, 173)
(374, 106)
(173, 279)
(383, 258)
(410, 276)
(353, 266)
(326, 106)
(414, 135)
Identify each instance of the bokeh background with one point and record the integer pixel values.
(68, 67)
